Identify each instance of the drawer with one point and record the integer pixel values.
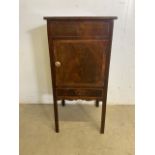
(79, 28)
(79, 92)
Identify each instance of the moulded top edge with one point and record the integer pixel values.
(80, 17)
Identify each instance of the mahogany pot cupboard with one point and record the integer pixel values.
(79, 49)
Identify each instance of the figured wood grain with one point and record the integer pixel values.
(82, 62)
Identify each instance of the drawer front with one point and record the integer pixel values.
(79, 92)
(79, 28)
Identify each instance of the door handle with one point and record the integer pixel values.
(57, 63)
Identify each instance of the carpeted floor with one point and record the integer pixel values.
(79, 130)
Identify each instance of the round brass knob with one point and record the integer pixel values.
(57, 64)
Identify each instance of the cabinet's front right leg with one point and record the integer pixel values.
(56, 116)
(103, 115)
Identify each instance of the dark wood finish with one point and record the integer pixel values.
(80, 49)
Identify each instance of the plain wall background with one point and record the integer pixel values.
(35, 80)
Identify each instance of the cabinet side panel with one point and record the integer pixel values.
(52, 60)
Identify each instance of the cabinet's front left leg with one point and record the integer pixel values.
(56, 116)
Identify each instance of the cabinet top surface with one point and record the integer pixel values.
(80, 17)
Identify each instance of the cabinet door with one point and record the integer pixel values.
(80, 62)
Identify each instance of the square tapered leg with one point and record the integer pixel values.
(56, 116)
(103, 116)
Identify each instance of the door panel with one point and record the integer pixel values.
(81, 62)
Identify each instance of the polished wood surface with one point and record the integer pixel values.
(80, 49)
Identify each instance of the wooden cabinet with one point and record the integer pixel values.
(80, 49)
